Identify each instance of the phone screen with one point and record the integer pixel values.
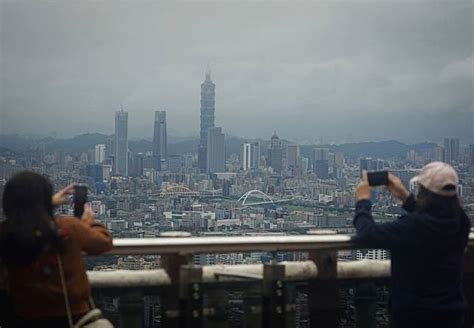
(379, 178)
(80, 198)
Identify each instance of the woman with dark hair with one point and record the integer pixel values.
(427, 247)
(31, 238)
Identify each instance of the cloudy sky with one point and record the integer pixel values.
(355, 70)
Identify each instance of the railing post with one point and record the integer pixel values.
(130, 307)
(274, 298)
(191, 296)
(365, 301)
(324, 291)
(290, 308)
(172, 264)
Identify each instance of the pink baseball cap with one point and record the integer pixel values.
(436, 176)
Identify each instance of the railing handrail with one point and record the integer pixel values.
(294, 271)
(196, 245)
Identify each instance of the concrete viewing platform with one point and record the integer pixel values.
(319, 292)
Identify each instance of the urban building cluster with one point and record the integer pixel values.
(265, 187)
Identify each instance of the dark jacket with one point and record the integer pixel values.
(427, 252)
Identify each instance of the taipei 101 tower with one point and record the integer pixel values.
(208, 96)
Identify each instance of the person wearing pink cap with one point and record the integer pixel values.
(427, 247)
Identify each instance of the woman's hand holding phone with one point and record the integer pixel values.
(60, 197)
(396, 188)
(88, 216)
(363, 189)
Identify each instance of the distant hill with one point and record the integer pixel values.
(80, 143)
(73, 145)
(84, 142)
(14, 142)
(381, 149)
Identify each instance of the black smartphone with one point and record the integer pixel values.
(80, 198)
(378, 178)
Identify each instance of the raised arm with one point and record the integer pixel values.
(392, 235)
(93, 237)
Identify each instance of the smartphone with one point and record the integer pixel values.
(80, 198)
(378, 178)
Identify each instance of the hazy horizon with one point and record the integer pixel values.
(377, 70)
(176, 139)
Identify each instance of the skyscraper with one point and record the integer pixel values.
(471, 154)
(121, 143)
(245, 156)
(292, 154)
(215, 150)
(250, 156)
(160, 140)
(175, 163)
(275, 154)
(451, 150)
(321, 162)
(208, 96)
(255, 155)
(138, 161)
(99, 155)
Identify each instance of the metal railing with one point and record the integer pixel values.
(294, 271)
(181, 284)
(196, 245)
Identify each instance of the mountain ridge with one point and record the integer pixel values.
(84, 142)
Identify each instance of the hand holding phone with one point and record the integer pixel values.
(397, 188)
(80, 198)
(60, 197)
(378, 178)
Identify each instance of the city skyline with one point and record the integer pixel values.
(321, 71)
(246, 127)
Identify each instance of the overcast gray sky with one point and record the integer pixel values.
(366, 69)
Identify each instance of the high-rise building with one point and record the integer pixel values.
(292, 154)
(471, 154)
(121, 143)
(175, 163)
(370, 164)
(208, 96)
(304, 165)
(226, 188)
(245, 156)
(215, 150)
(321, 162)
(110, 147)
(160, 140)
(106, 171)
(434, 154)
(135, 164)
(339, 159)
(275, 154)
(451, 150)
(249, 156)
(99, 153)
(255, 155)
(95, 172)
(379, 164)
